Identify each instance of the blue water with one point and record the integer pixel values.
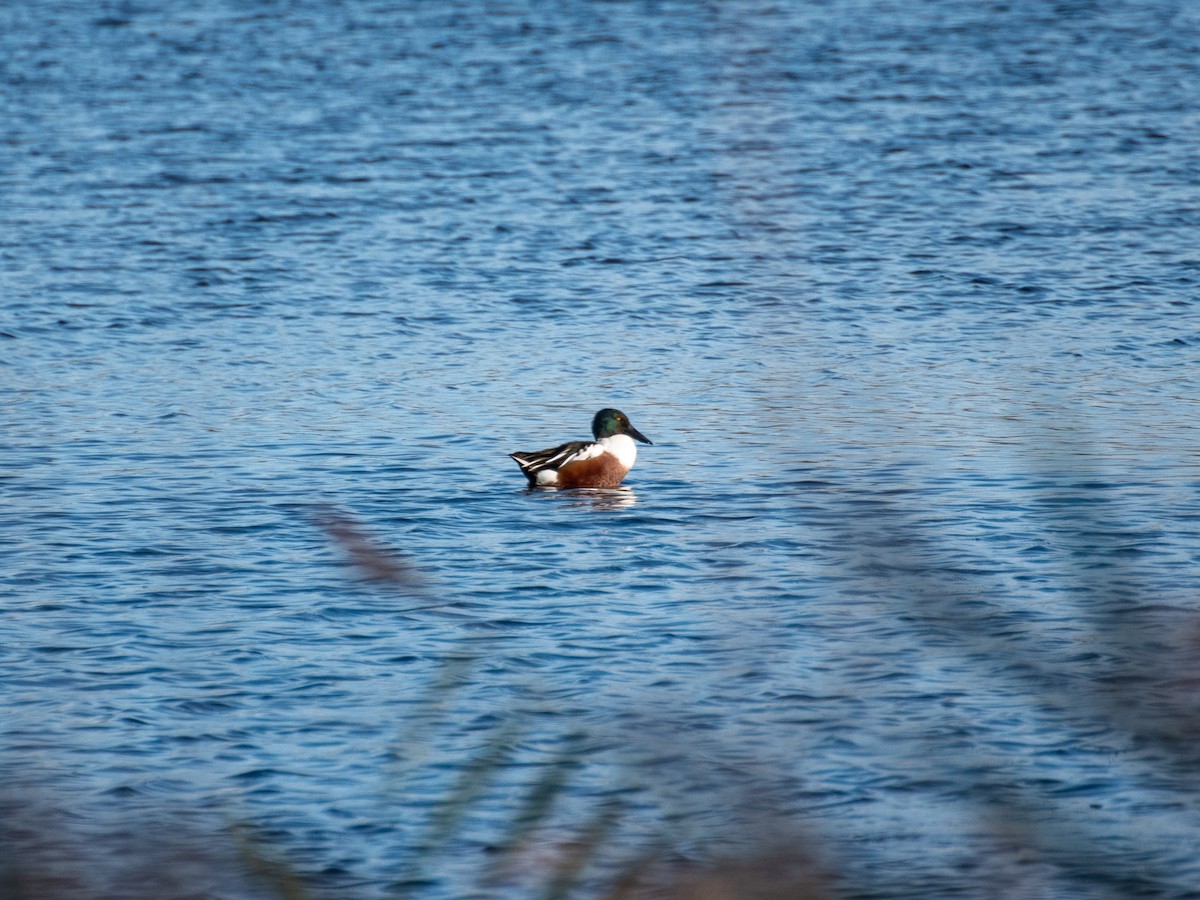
(906, 295)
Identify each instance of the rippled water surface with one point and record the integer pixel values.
(904, 294)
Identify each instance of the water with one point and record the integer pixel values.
(905, 295)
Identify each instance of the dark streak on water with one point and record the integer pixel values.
(905, 294)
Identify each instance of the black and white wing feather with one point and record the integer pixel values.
(555, 458)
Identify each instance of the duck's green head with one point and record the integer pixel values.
(612, 421)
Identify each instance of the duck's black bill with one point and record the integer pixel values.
(638, 436)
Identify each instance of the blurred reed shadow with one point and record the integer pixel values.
(1147, 691)
(376, 563)
(1139, 684)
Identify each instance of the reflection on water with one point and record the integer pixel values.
(909, 287)
(621, 497)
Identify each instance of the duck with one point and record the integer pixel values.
(600, 463)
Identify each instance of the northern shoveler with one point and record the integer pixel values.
(601, 463)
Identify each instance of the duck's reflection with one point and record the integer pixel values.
(621, 497)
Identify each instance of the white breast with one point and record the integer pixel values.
(622, 447)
